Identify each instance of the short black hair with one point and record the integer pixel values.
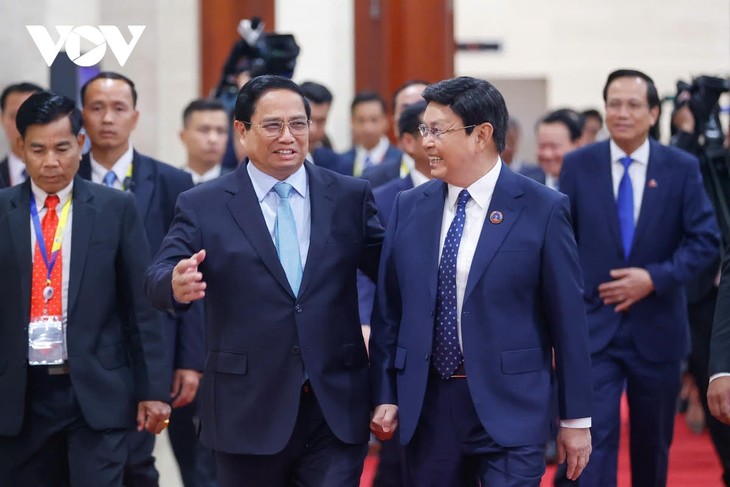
(365, 97)
(592, 113)
(407, 84)
(652, 97)
(46, 107)
(256, 87)
(411, 117)
(475, 101)
(202, 105)
(22, 87)
(110, 75)
(316, 93)
(571, 119)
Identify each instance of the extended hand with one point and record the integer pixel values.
(575, 445)
(630, 285)
(184, 387)
(385, 421)
(151, 415)
(718, 398)
(187, 282)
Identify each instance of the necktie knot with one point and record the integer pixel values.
(110, 178)
(52, 201)
(463, 199)
(283, 190)
(626, 161)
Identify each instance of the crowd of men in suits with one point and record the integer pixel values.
(505, 305)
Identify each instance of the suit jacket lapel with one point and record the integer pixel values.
(84, 214)
(603, 186)
(505, 200)
(246, 212)
(5, 172)
(652, 193)
(428, 225)
(143, 178)
(322, 208)
(19, 222)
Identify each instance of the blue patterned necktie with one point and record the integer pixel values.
(446, 351)
(625, 206)
(286, 239)
(109, 179)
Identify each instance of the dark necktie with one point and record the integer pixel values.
(446, 351)
(625, 207)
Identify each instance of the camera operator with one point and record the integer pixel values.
(701, 293)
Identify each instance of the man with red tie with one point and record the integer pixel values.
(76, 375)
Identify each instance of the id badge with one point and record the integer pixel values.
(46, 341)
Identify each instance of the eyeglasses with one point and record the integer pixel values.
(275, 128)
(437, 132)
(631, 105)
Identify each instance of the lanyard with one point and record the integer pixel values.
(57, 239)
(127, 183)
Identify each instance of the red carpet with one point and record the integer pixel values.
(692, 460)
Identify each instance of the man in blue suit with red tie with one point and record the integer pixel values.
(479, 288)
(644, 228)
(274, 248)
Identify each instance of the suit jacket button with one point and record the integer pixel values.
(298, 308)
(295, 350)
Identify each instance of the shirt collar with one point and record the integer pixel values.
(208, 175)
(480, 190)
(640, 155)
(120, 168)
(377, 153)
(16, 166)
(40, 196)
(418, 178)
(264, 183)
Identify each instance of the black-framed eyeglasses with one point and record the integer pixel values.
(424, 130)
(274, 128)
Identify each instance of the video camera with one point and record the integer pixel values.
(702, 96)
(257, 52)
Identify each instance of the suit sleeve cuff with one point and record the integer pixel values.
(577, 423)
(719, 374)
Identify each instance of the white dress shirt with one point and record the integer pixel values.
(16, 168)
(375, 154)
(299, 201)
(120, 168)
(418, 178)
(209, 175)
(637, 172)
(40, 200)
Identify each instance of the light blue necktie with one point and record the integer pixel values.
(625, 206)
(109, 179)
(286, 239)
(447, 353)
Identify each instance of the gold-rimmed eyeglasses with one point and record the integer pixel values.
(424, 130)
(274, 128)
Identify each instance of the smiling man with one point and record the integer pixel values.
(479, 283)
(274, 248)
(644, 227)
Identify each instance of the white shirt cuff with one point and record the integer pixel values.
(577, 423)
(720, 374)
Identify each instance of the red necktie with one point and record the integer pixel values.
(37, 302)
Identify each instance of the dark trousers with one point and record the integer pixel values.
(450, 447)
(314, 457)
(701, 315)
(652, 389)
(56, 448)
(140, 470)
(390, 464)
(196, 463)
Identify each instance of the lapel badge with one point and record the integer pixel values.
(652, 183)
(496, 217)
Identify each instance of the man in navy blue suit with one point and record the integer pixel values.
(644, 228)
(110, 115)
(274, 248)
(479, 287)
